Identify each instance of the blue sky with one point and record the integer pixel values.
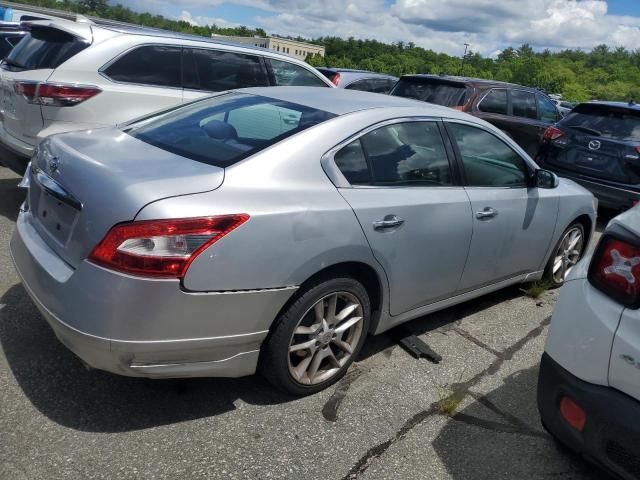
(488, 25)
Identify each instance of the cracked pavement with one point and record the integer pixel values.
(472, 416)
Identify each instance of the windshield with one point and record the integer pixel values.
(428, 90)
(608, 121)
(225, 129)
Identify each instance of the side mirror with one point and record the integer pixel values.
(546, 179)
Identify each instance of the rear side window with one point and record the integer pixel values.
(289, 74)
(441, 93)
(494, 102)
(154, 65)
(524, 104)
(43, 47)
(224, 129)
(411, 153)
(605, 120)
(217, 70)
(353, 164)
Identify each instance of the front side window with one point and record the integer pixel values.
(494, 102)
(217, 70)
(225, 129)
(547, 111)
(487, 160)
(155, 65)
(411, 153)
(524, 104)
(289, 74)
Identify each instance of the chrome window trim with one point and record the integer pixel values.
(488, 92)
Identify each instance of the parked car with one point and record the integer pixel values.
(521, 112)
(10, 35)
(69, 75)
(359, 79)
(598, 146)
(277, 227)
(563, 107)
(589, 385)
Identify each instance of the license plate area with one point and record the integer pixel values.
(56, 217)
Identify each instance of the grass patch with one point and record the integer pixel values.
(449, 404)
(537, 288)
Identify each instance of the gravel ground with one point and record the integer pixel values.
(385, 419)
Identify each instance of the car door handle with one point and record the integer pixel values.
(390, 221)
(487, 213)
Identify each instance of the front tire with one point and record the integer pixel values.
(565, 256)
(317, 337)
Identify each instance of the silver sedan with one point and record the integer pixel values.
(274, 228)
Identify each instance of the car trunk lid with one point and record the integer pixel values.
(84, 183)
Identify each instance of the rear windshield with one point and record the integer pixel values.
(43, 47)
(225, 129)
(440, 93)
(608, 121)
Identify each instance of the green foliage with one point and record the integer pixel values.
(604, 73)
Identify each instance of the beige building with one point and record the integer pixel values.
(299, 50)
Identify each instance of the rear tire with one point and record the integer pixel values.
(566, 254)
(317, 337)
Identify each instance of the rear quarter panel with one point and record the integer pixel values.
(299, 224)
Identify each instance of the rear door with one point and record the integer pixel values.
(512, 223)
(599, 141)
(524, 126)
(33, 60)
(415, 215)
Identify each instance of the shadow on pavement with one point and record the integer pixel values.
(500, 436)
(60, 387)
(11, 197)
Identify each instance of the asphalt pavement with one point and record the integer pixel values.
(472, 416)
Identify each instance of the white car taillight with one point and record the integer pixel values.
(55, 94)
(161, 248)
(615, 270)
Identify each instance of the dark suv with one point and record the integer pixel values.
(523, 113)
(598, 145)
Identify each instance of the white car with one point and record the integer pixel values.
(75, 75)
(589, 385)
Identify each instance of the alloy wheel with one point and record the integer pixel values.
(325, 338)
(567, 254)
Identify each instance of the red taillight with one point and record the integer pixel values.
(638, 148)
(336, 79)
(161, 248)
(615, 270)
(552, 133)
(55, 94)
(573, 414)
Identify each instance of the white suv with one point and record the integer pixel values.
(589, 385)
(67, 75)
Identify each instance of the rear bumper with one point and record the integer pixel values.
(609, 194)
(12, 154)
(140, 327)
(611, 436)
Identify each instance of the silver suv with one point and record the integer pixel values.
(75, 75)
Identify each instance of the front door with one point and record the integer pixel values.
(513, 224)
(415, 215)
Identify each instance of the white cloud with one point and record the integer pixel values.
(488, 25)
(201, 21)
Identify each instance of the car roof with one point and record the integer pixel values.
(340, 101)
(628, 105)
(156, 32)
(477, 82)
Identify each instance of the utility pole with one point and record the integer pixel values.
(464, 57)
